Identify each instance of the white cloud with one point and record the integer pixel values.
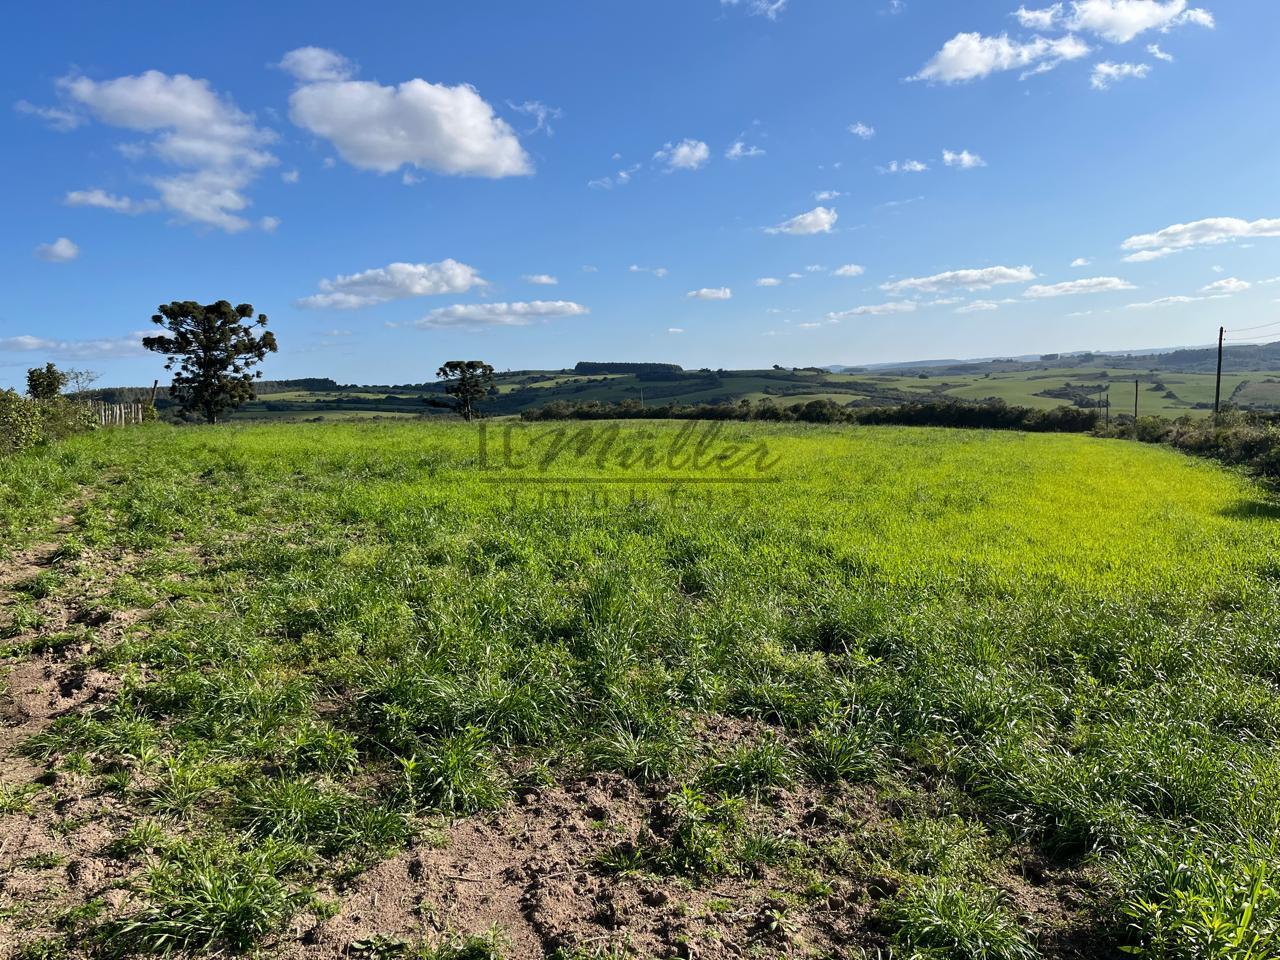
(1183, 236)
(192, 127)
(1155, 51)
(970, 56)
(1042, 19)
(1081, 262)
(978, 306)
(500, 314)
(396, 281)
(541, 279)
(823, 196)
(1164, 302)
(905, 166)
(541, 113)
(431, 126)
(61, 250)
(738, 150)
(317, 65)
(768, 282)
(269, 224)
(711, 293)
(658, 272)
(849, 270)
(759, 8)
(1071, 288)
(108, 201)
(964, 159)
(1107, 73)
(56, 117)
(817, 220)
(1228, 285)
(676, 330)
(814, 268)
(862, 130)
(101, 349)
(875, 310)
(619, 179)
(291, 176)
(686, 155)
(982, 278)
(1119, 21)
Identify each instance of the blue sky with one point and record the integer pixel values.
(399, 184)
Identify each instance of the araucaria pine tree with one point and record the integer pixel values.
(213, 348)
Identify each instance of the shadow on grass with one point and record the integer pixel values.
(1253, 510)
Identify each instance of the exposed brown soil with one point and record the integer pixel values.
(53, 843)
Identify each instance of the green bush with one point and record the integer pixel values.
(25, 422)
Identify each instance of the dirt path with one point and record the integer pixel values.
(55, 824)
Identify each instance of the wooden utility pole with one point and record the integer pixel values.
(1135, 404)
(1217, 389)
(155, 385)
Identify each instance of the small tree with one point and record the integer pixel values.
(45, 383)
(213, 350)
(468, 382)
(80, 381)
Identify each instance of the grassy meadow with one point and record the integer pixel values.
(828, 692)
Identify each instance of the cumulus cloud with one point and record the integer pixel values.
(675, 330)
(1155, 51)
(874, 310)
(768, 282)
(1229, 285)
(541, 279)
(317, 65)
(904, 166)
(192, 127)
(862, 130)
(658, 272)
(711, 293)
(978, 306)
(737, 150)
(817, 220)
(61, 250)
(849, 270)
(964, 159)
(268, 224)
(108, 201)
(1119, 21)
(396, 281)
(823, 196)
(1072, 288)
(970, 56)
(1183, 236)
(500, 314)
(1081, 262)
(981, 278)
(1106, 73)
(290, 176)
(1041, 19)
(430, 126)
(101, 349)
(686, 155)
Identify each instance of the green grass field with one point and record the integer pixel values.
(1162, 393)
(332, 690)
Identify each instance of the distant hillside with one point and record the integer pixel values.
(1170, 384)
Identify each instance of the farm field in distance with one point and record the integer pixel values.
(1169, 395)
(335, 690)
